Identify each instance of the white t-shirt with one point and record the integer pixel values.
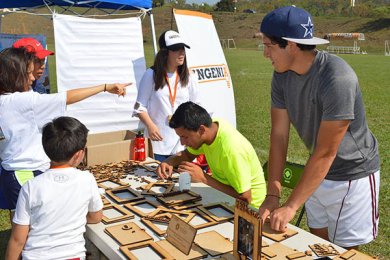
(55, 205)
(157, 104)
(22, 117)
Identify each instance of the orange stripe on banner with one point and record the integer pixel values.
(205, 81)
(192, 13)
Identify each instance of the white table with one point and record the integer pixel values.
(110, 248)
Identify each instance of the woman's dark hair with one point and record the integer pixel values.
(14, 64)
(283, 43)
(160, 68)
(63, 137)
(190, 116)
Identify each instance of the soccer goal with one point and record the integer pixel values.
(387, 49)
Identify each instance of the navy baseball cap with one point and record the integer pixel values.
(292, 24)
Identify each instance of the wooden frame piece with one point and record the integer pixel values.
(125, 214)
(136, 195)
(198, 213)
(150, 166)
(126, 250)
(324, 250)
(207, 209)
(276, 235)
(161, 210)
(116, 181)
(187, 206)
(280, 251)
(132, 207)
(167, 185)
(127, 233)
(214, 243)
(105, 200)
(196, 251)
(247, 232)
(152, 225)
(179, 197)
(354, 254)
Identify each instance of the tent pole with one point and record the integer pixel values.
(153, 31)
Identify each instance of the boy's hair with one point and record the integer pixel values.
(63, 137)
(283, 43)
(190, 116)
(13, 69)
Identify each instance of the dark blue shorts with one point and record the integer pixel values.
(10, 184)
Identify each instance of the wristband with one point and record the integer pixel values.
(271, 195)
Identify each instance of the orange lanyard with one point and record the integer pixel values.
(172, 98)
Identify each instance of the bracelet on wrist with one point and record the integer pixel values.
(272, 195)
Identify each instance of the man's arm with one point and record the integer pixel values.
(17, 241)
(329, 138)
(94, 217)
(165, 169)
(277, 158)
(197, 175)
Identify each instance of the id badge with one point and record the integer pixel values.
(169, 118)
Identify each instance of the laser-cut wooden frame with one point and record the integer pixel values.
(148, 189)
(188, 206)
(132, 207)
(206, 209)
(209, 221)
(126, 214)
(161, 212)
(242, 211)
(148, 167)
(116, 181)
(173, 198)
(126, 250)
(127, 233)
(137, 196)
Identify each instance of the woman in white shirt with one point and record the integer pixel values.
(164, 86)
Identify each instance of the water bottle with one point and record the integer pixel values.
(139, 147)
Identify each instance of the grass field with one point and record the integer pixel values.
(251, 75)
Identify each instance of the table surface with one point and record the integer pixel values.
(110, 248)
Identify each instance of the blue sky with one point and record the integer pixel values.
(210, 2)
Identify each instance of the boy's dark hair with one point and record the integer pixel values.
(14, 64)
(190, 116)
(63, 137)
(283, 43)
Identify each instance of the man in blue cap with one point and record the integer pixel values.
(319, 94)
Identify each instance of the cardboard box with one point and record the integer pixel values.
(112, 147)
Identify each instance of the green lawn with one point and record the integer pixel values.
(251, 75)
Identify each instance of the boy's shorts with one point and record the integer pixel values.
(349, 209)
(10, 184)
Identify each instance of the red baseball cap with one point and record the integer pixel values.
(32, 45)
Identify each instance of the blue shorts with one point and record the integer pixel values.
(10, 184)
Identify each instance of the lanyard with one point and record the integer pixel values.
(172, 98)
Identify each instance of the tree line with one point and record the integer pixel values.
(362, 8)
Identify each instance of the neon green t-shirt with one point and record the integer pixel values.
(234, 162)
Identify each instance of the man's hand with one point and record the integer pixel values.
(269, 204)
(164, 170)
(281, 217)
(194, 170)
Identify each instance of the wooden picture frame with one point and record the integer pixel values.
(127, 250)
(125, 214)
(247, 232)
(207, 209)
(214, 243)
(179, 197)
(127, 233)
(132, 206)
(162, 216)
(277, 236)
(200, 214)
(150, 166)
(135, 195)
(118, 182)
(148, 188)
(188, 206)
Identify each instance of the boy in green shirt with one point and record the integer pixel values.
(235, 167)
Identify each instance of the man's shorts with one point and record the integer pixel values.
(10, 184)
(349, 209)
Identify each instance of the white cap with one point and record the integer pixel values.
(171, 40)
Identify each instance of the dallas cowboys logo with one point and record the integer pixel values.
(308, 28)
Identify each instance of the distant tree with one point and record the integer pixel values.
(225, 6)
(157, 3)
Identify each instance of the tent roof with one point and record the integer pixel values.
(103, 4)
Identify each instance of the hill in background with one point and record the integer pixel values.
(241, 27)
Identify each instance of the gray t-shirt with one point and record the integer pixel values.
(329, 91)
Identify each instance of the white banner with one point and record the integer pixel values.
(90, 52)
(207, 60)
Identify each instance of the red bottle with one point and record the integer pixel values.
(139, 147)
